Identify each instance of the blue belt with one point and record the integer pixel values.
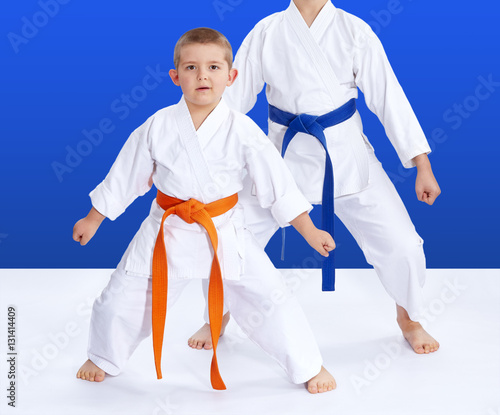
(314, 125)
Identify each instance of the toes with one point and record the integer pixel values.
(199, 344)
(434, 347)
(315, 387)
(91, 376)
(419, 350)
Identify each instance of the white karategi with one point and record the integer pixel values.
(315, 70)
(206, 165)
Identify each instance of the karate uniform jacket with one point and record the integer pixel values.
(314, 71)
(207, 165)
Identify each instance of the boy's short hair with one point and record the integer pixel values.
(203, 35)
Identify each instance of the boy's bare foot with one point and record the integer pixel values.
(420, 341)
(202, 339)
(322, 382)
(89, 371)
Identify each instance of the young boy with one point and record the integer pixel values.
(196, 153)
(313, 57)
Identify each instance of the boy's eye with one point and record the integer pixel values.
(190, 67)
(214, 67)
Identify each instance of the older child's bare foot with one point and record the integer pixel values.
(202, 339)
(322, 382)
(89, 371)
(420, 341)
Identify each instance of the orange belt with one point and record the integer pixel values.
(190, 211)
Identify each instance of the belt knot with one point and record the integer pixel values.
(301, 123)
(187, 209)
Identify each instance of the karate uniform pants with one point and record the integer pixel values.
(259, 302)
(380, 224)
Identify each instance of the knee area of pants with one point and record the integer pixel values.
(407, 248)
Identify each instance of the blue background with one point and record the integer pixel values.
(72, 66)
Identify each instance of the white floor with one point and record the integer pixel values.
(376, 372)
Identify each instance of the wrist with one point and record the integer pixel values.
(95, 216)
(422, 162)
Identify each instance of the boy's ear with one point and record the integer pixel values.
(175, 76)
(233, 74)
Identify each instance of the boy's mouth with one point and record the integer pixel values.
(202, 88)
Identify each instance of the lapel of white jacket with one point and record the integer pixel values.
(194, 142)
(308, 39)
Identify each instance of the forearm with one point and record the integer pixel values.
(95, 216)
(303, 224)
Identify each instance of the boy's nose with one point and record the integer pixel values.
(202, 75)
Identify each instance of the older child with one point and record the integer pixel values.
(196, 153)
(313, 57)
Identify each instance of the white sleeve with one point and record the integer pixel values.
(386, 99)
(242, 95)
(128, 177)
(275, 186)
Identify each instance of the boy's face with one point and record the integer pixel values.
(203, 75)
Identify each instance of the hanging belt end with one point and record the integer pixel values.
(158, 367)
(328, 286)
(217, 383)
(328, 275)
